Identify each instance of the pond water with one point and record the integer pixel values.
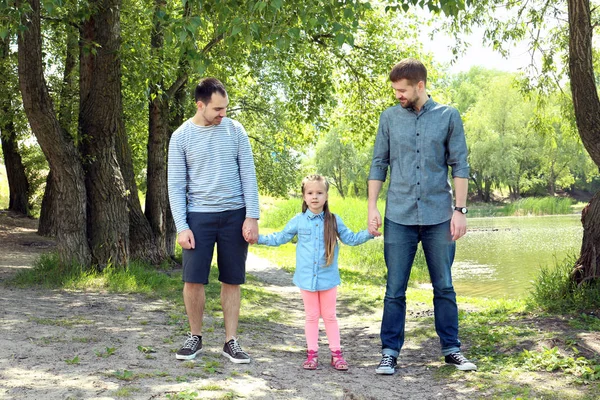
(499, 257)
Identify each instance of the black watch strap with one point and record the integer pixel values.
(463, 210)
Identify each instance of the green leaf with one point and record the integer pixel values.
(348, 13)
(294, 33)
(183, 36)
(277, 4)
(236, 29)
(340, 38)
(195, 22)
(260, 5)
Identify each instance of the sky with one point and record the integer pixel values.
(477, 54)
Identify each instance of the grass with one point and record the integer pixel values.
(555, 292)
(549, 205)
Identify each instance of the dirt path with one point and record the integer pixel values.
(58, 344)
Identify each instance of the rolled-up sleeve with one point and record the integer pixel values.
(457, 147)
(381, 152)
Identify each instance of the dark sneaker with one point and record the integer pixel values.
(387, 365)
(191, 347)
(234, 352)
(460, 362)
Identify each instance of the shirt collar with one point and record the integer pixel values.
(426, 106)
(310, 214)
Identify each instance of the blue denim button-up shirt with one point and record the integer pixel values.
(311, 272)
(418, 148)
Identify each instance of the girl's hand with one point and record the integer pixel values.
(250, 230)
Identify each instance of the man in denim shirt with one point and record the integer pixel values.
(418, 140)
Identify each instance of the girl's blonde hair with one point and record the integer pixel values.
(330, 233)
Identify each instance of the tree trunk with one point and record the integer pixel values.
(587, 116)
(158, 137)
(47, 224)
(100, 118)
(55, 142)
(487, 190)
(142, 240)
(142, 244)
(15, 170)
(178, 105)
(18, 184)
(156, 196)
(477, 186)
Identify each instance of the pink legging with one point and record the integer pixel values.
(321, 304)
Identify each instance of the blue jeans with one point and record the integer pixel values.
(400, 247)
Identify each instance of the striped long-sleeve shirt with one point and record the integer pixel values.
(211, 169)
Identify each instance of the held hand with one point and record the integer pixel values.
(374, 222)
(186, 239)
(250, 230)
(458, 225)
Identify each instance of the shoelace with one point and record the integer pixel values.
(235, 347)
(191, 342)
(459, 358)
(387, 361)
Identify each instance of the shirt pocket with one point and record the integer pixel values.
(304, 232)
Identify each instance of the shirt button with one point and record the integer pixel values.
(419, 198)
(417, 151)
(418, 183)
(417, 133)
(418, 167)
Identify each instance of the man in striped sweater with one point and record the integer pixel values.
(214, 199)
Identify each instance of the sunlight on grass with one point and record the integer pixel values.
(4, 190)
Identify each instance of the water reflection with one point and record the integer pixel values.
(501, 256)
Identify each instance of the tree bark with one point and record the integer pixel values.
(47, 224)
(587, 116)
(158, 137)
(57, 145)
(100, 118)
(18, 184)
(156, 195)
(178, 113)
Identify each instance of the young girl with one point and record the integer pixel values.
(317, 273)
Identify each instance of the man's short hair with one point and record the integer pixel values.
(410, 69)
(207, 87)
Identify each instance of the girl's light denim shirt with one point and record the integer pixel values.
(312, 273)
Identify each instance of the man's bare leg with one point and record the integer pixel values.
(194, 299)
(230, 302)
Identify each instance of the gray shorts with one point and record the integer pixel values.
(224, 229)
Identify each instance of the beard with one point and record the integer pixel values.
(410, 103)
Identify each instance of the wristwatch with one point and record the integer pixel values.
(463, 210)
